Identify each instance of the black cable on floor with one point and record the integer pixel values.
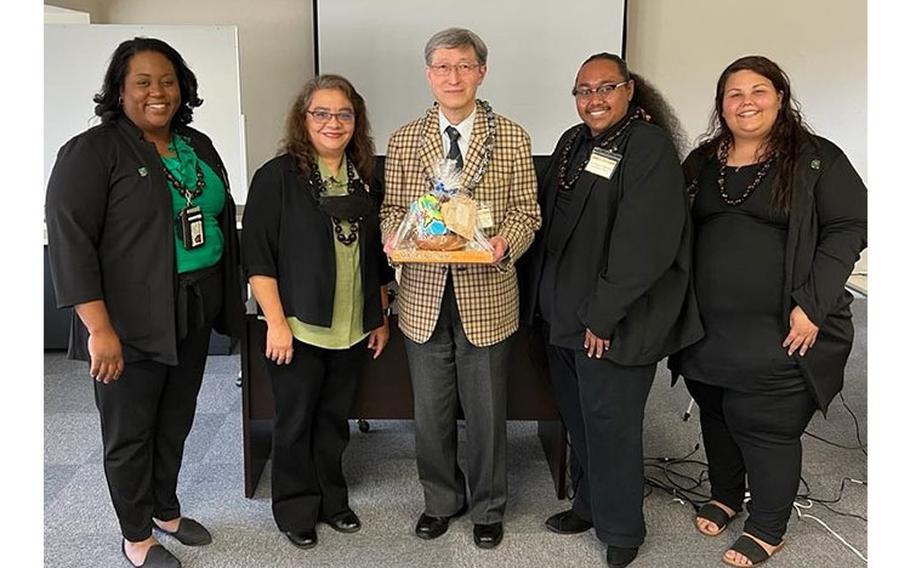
(860, 446)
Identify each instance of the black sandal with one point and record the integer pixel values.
(749, 548)
(715, 514)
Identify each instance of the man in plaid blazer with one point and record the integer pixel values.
(457, 320)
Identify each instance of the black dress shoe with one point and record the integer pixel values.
(302, 539)
(617, 556)
(567, 522)
(430, 527)
(156, 557)
(189, 532)
(488, 536)
(345, 522)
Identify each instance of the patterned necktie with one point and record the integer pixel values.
(454, 150)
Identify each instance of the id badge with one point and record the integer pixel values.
(603, 162)
(191, 229)
(484, 217)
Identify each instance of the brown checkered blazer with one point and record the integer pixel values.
(487, 296)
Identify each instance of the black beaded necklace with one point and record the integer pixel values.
(566, 183)
(319, 184)
(186, 192)
(722, 177)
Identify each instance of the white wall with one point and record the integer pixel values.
(97, 9)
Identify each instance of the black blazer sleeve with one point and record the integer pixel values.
(650, 216)
(75, 208)
(840, 202)
(262, 224)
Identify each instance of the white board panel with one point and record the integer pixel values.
(76, 57)
(535, 49)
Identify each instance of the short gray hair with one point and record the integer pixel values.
(456, 37)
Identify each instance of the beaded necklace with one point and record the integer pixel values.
(183, 189)
(186, 192)
(563, 182)
(488, 144)
(722, 177)
(319, 185)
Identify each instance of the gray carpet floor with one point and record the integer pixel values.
(81, 529)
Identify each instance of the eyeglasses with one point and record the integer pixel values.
(604, 90)
(444, 69)
(323, 116)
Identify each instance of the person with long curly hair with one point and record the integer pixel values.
(143, 244)
(313, 256)
(609, 289)
(780, 220)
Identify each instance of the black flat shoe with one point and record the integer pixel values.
(488, 536)
(189, 532)
(156, 557)
(617, 556)
(430, 527)
(302, 539)
(567, 522)
(345, 522)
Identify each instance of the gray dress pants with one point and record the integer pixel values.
(445, 369)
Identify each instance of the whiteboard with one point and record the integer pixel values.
(76, 57)
(535, 49)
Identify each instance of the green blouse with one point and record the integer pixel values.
(211, 200)
(347, 310)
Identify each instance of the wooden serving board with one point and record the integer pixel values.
(443, 257)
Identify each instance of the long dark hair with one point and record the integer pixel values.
(788, 133)
(107, 102)
(649, 99)
(297, 143)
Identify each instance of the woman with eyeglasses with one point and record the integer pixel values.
(780, 220)
(610, 289)
(313, 255)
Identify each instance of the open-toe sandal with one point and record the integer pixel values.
(714, 513)
(749, 548)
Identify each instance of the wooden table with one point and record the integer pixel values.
(384, 392)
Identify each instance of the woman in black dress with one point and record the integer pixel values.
(780, 220)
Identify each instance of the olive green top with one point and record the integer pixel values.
(347, 309)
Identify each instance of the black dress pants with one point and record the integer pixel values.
(602, 405)
(146, 416)
(313, 397)
(755, 435)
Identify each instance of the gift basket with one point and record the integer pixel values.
(442, 225)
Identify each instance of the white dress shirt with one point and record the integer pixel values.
(464, 130)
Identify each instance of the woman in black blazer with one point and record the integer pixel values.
(610, 285)
(142, 243)
(313, 256)
(780, 220)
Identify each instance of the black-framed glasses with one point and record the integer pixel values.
(444, 69)
(603, 90)
(323, 116)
